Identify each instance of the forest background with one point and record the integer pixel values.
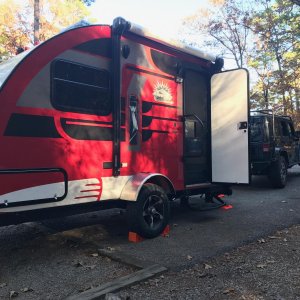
(260, 35)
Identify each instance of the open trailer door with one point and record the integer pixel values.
(229, 127)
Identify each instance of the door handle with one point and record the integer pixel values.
(242, 125)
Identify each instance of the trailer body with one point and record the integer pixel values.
(99, 113)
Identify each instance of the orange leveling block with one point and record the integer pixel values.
(136, 238)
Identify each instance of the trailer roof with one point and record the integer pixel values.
(141, 31)
(6, 67)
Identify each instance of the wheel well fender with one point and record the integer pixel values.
(133, 186)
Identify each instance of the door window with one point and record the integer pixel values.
(277, 128)
(286, 128)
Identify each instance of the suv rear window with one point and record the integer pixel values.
(258, 129)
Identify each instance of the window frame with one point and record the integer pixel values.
(74, 108)
(286, 128)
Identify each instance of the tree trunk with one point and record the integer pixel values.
(297, 94)
(282, 81)
(36, 25)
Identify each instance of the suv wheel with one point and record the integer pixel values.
(278, 173)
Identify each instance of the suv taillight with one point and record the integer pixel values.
(266, 147)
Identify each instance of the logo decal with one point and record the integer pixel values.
(162, 92)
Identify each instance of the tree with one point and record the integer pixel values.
(224, 25)
(36, 12)
(14, 28)
(261, 63)
(59, 14)
(36, 21)
(296, 2)
(88, 2)
(266, 39)
(16, 21)
(276, 26)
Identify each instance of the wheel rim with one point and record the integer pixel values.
(283, 171)
(153, 211)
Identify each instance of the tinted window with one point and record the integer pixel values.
(291, 129)
(80, 88)
(257, 129)
(100, 47)
(164, 62)
(277, 128)
(285, 128)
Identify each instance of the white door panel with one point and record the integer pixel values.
(229, 131)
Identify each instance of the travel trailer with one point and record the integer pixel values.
(103, 116)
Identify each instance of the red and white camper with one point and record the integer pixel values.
(113, 115)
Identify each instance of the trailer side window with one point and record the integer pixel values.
(165, 62)
(80, 88)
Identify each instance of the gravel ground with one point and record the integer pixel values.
(56, 258)
(43, 268)
(266, 269)
(52, 266)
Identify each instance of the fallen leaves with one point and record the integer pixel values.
(91, 267)
(270, 261)
(111, 296)
(207, 266)
(85, 288)
(273, 237)
(228, 291)
(202, 275)
(111, 249)
(261, 241)
(261, 266)
(26, 290)
(78, 264)
(13, 294)
(265, 264)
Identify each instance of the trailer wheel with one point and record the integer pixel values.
(150, 214)
(278, 173)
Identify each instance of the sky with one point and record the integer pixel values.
(162, 17)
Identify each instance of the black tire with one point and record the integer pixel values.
(150, 214)
(278, 173)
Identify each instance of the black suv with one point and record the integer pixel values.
(274, 146)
